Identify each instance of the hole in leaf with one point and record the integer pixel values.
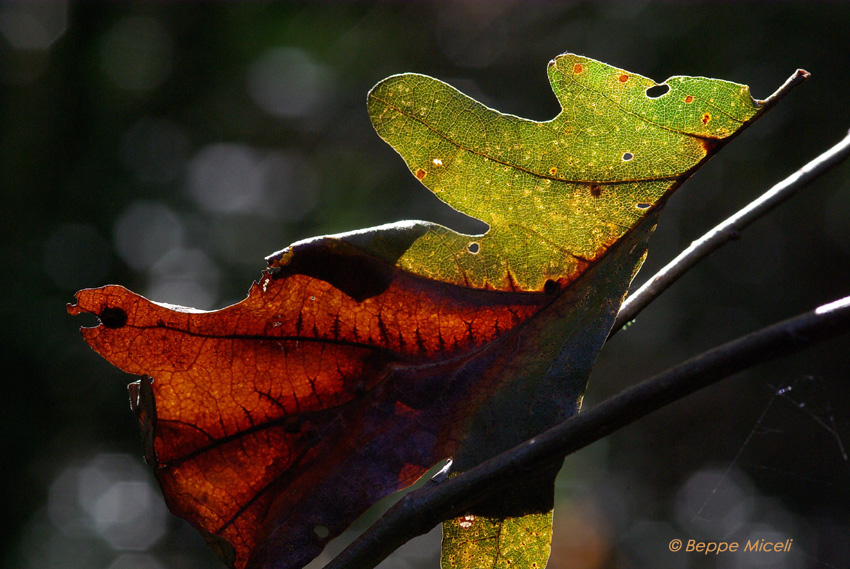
(550, 286)
(657, 90)
(628, 156)
(321, 531)
(113, 318)
(473, 248)
(643, 205)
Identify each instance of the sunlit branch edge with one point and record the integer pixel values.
(445, 498)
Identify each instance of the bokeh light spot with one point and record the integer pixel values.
(287, 82)
(185, 277)
(146, 232)
(109, 497)
(714, 502)
(226, 178)
(126, 515)
(33, 25)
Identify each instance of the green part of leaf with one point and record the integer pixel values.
(514, 525)
(478, 542)
(556, 194)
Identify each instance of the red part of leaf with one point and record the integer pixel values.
(260, 413)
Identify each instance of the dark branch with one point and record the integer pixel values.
(730, 229)
(420, 510)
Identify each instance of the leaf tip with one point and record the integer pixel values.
(103, 303)
(73, 309)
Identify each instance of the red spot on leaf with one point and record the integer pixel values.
(578, 68)
(705, 118)
(420, 173)
(623, 78)
(689, 99)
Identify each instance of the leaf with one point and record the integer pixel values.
(360, 360)
(478, 541)
(556, 194)
(512, 526)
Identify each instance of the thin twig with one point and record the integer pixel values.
(798, 77)
(729, 230)
(422, 509)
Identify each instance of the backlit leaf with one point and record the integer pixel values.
(360, 360)
(556, 194)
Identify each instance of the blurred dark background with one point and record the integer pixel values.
(169, 148)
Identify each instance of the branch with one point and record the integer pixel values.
(730, 229)
(422, 509)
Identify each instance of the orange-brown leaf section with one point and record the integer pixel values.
(259, 406)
